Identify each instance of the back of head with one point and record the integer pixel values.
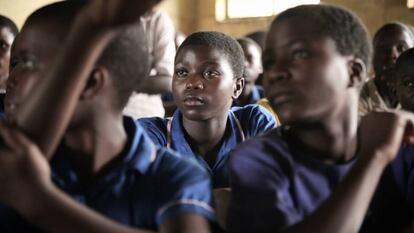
(8, 23)
(125, 57)
(339, 24)
(222, 42)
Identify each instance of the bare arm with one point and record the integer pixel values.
(96, 25)
(345, 210)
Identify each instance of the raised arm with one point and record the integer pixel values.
(94, 27)
(343, 211)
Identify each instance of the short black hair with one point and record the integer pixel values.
(8, 23)
(406, 57)
(341, 25)
(226, 44)
(125, 57)
(392, 25)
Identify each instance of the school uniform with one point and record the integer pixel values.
(242, 123)
(142, 188)
(276, 183)
(256, 94)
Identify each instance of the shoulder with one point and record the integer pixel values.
(261, 156)
(186, 186)
(254, 119)
(156, 128)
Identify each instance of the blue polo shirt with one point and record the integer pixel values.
(256, 94)
(276, 183)
(242, 123)
(143, 187)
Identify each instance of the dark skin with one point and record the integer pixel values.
(253, 68)
(100, 137)
(302, 69)
(405, 85)
(6, 40)
(204, 87)
(389, 43)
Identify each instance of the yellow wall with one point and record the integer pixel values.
(195, 15)
(19, 10)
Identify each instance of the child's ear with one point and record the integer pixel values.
(95, 83)
(238, 87)
(357, 72)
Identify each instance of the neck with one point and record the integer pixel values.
(96, 143)
(334, 138)
(205, 135)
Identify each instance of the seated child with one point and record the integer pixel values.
(404, 79)
(107, 175)
(252, 69)
(8, 31)
(318, 172)
(378, 94)
(208, 75)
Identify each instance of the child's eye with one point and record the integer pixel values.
(409, 84)
(4, 45)
(299, 54)
(181, 72)
(211, 74)
(402, 47)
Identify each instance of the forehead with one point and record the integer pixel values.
(39, 36)
(250, 48)
(288, 30)
(6, 34)
(201, 54)
(392, 34)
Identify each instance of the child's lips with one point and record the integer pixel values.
(193, 101)
(280, 98)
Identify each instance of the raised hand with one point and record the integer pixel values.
(382, 133)
(23, 168)
(114, 13)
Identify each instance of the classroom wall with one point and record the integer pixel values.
(194, 15)
(19, 10)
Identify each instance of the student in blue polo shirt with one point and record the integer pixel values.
(319, 171)
(252, 69)
(106, 175)
(208, 76)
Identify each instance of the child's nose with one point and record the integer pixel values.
(194, 82)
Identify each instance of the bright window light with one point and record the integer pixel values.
(236, 9)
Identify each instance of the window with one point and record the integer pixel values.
(237, 9)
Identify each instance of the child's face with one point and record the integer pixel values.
(305, 78)
(253, 63)
(32, 52)
(203, 83)
(388, 46)
(405, 85)
(6, 40)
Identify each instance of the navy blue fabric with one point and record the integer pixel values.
(254, 120)
(143, 187)
(276, 183)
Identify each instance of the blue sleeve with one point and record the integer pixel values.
(156, 129)
(260, 199)
(255, 120)
(186, 189)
